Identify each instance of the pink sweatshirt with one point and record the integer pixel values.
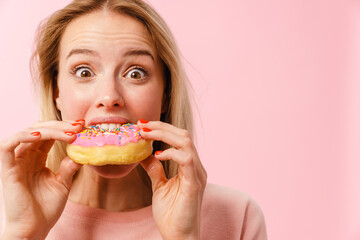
(226, 214)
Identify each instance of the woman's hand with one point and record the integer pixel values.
(34, 196)
(176, 201)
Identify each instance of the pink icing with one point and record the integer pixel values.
(94, 136)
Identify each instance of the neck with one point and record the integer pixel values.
(114, 194)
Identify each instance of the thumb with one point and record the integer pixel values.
(66, 171)
(155, 170)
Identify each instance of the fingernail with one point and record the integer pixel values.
(146, 130)
(76, 124)
(158, 152)
(69, 133)
(80, 120)
(143, 121)
(35, 133)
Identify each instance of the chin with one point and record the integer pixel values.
(113, 171)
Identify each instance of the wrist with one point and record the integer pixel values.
(187, 237)
(184, 238)
(12, 235)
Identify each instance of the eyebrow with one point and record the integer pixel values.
(138, 52)
(82, 51)
(131, 52)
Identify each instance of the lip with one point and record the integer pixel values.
(114, 119)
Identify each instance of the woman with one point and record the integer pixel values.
(103, 62)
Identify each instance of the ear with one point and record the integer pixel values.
(57, 99)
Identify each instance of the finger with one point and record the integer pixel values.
(177, 141)
(59, 124)
(67, 127)
(155, 170)
(66, 172)
(174, 136)
(162, 125)
(24, 148)
(187, 167)
(47, 139)
(45, 146)
(7, 147)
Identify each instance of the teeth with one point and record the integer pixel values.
(109, 126)
(112, 126)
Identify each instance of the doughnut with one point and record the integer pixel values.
(97, 146)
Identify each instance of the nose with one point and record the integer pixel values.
(109, 94)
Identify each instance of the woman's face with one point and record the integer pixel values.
(109, 73)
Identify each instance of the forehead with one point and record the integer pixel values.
(102, 28)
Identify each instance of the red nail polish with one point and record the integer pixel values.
(143, 121)
(158, 152)
(35, 133)
(146, 130)
(76, 124)
(80, 120)
(69, 133)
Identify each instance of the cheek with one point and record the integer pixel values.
(147, 103)
(74, 104)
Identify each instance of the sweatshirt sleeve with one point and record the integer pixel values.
(254, 227)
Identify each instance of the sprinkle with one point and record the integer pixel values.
(125, 133)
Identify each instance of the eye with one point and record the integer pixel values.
(83, 72)
(136, 73)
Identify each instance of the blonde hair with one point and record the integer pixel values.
(45, 61)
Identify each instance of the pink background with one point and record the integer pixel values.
(284, 75)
